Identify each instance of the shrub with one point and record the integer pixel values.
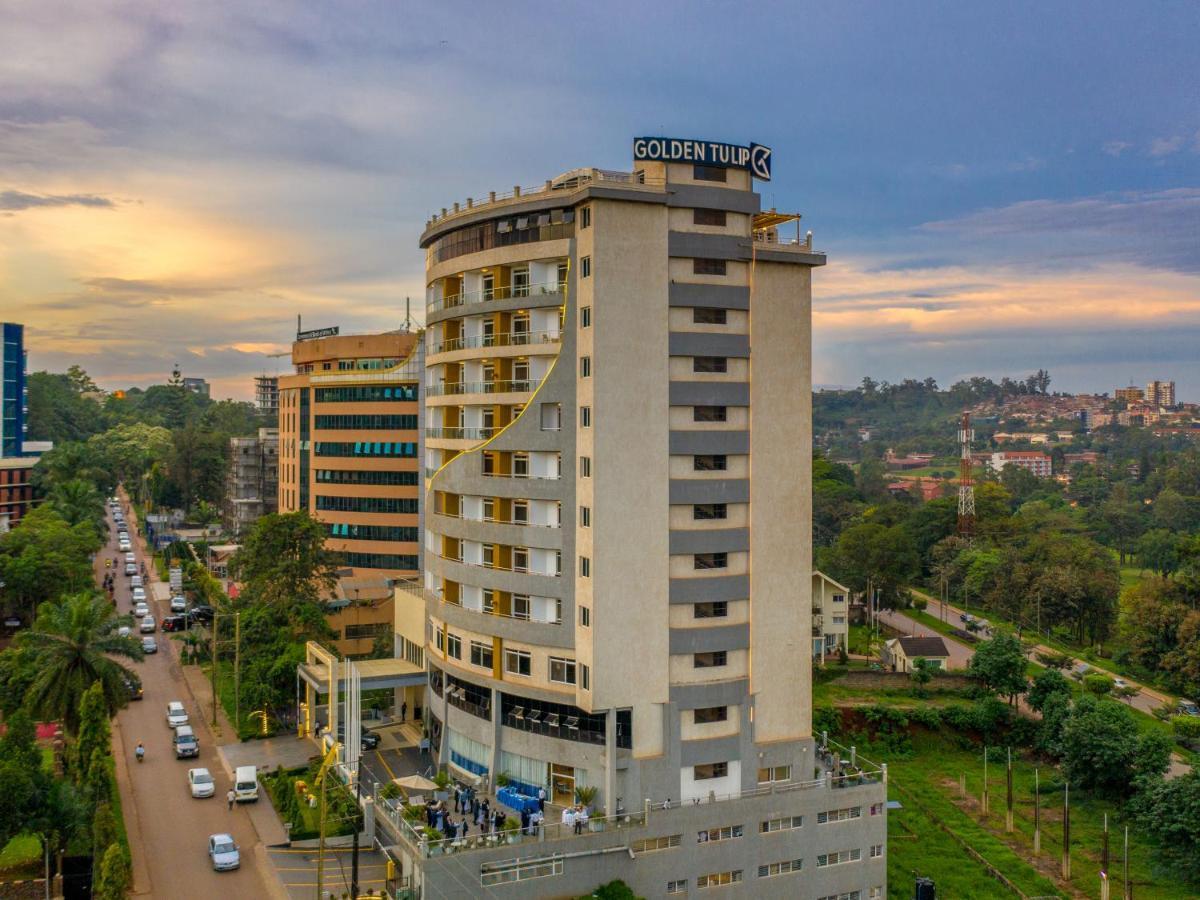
(1186, 728)
(1097, 684)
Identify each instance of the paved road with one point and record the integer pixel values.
(297, 869)
(960, 654)
(168, 829)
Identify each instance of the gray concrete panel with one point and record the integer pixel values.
(695, 343)
(497, 533)
(699, 196)
(722, 749)
(710, 393)
(710, 540)
(709, 296)
(710, 442)
(703, 640)
(703, 590)
(710, 490)
(719, 693)
(706, 246)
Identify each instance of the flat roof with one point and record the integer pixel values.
(18, 462)
(374, 674)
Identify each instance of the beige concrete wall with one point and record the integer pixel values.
(737, 321)
(681, 173)
(630, 506)
(681, 269)
(683, 517)
(681, 219)
(682, 369)
(781, 492)
(500, 256)
(737, 418)
(690, 730)
(683, 671)
(683, 566)
(681, 616)
(735, 467)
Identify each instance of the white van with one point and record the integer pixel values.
(245, 784)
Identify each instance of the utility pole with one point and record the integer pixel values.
(1037, 814)
(1128, 892)
(237, 671)
(1104, 886)
(216, 618)
(1066, 848)
(983, 798)
(357, 829)
(1008, 817)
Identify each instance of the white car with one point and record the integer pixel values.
(125, 545)
(178, 604)
(148, 626)
(201, 783)
(141, 610)
(129, 557)
(223, 852)
(124, 631)
(176, 714)
(1120, 683)
(139, 594)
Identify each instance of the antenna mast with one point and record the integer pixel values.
(966, 481)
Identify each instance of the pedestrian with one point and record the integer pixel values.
(524, 822)
(499, 820)
(403, 711)
(475, 805)
(231, 796)
(541, 799)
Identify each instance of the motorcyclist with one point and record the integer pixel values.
(140, 752)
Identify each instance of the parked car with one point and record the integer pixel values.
(149, 645)
(138, 594)
(124, 631)
(130, 570)
(129, 557)
(223, 852)
(174, 623)
(186, 744)
(134, 686)
(136, 581)
(245, 784)
(1080, 670)
(141, 610)
(201, 614)
(12, 623)
(1187, 708)
(176, 714)
(369, 739)
(201, 783)
(178, 604)
(1120, 683)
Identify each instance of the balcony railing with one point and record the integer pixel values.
(481, 387)
(520, 570)
(776, 241)
(526, 617)
(513, 292)
(460, 434)
(493, 520)
(522, 475)
(505, 339)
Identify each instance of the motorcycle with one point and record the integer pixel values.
(140, 752)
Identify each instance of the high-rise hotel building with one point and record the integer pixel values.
(350, 446)
(618, 547)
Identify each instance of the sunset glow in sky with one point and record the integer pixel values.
(999, 187)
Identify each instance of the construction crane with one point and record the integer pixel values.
(966, 480)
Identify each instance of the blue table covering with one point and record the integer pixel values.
(514, 800)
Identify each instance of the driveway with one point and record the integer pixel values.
(960, 653)
(168, 829)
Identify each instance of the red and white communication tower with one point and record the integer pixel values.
(966, 480)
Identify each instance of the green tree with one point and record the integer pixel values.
(871, 552)
(94, 740)
(197, 465)
(78, 502)
(999, 666)
(115, 874)
(57, 412)
(72, 646)
(283, 562)
(44, 557)
(922, 674)
(1158, 550)
(1102, 751)
(24, 783)
(104, 829)
(1047, 683)
(1169, 813)
(1098, 684)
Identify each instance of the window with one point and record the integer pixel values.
(520, 283)
(703, 315)
(710, 364)
(709, 660)
(517, 662)
(711, 609)
(551, 416)
(772, 774)
(876, 809)
(585, 217)
(585, 467)
(562, 276)
(520, 559)
(787, 823)
(709, 413)
(585, 677)
(520, 465)
(585, 417)
(585, 567)
(710, 714)
(481, 655)
(708, 267)
(678, 886)
(520, 870)
(710, 462)
(585, 617)
(876, 893)
(454, 646)
(650, 845)
(838, 858)
(719, 878)
(585, 267)
(710, 561)
(708, 216)
(369, 630)
(520, 606)
(727, 833)
(585, 516)
(439, 638)
(844, 895)
(780, 868)
(585, 317)
(710, 511)
(708, 173)
(520, 511)
(562, 671)
(839, 815)
(876, 851)
(585, 367)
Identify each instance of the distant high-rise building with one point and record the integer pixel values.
(1161, 394)
(266, 394)
(14, 395)
(197, 386)
(252, 489)
(1129, 395)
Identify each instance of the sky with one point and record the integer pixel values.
(999, 187)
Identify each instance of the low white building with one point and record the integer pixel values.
(830, 616)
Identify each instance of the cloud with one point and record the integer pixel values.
(1116, 148)
(17, 200)
(1160, 147)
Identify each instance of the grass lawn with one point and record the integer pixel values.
(23, 853)
(927, 786)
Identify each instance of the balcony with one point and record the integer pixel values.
(460, 434)
(496, 612)
(481, 387)
(476, 298)
(507, 339)
(494, 520)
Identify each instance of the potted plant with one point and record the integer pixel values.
(509, 829)
(503, 779)
(585, 796)
(442, 780)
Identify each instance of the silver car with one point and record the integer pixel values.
(149, 645)
(223, 852)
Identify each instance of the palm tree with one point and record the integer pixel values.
(79, 501)
(70, 647)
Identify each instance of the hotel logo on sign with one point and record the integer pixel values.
(756, 159)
